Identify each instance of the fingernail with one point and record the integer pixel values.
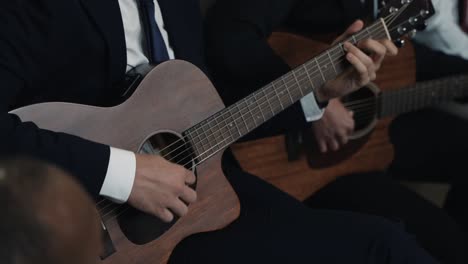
(346, 46)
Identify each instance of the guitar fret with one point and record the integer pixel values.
(331, 61)
(223, 129)
(200, 140)
(226, 126)
(259, 104)
(287, 88)
(213, 132)
(276, 93)
(310, 80)
(299, 84)
(368, 32)
(242, 117)
(268, 101)
(320, 70)
(250, 111)
(206, 137)
(234, 121)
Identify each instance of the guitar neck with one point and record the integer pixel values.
(232, 123)
(422, 95)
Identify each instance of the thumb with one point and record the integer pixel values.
(355, 27)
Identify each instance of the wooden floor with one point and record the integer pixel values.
(267, 157)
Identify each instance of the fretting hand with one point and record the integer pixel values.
(364, 66)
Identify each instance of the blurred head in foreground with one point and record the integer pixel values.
(46, 217)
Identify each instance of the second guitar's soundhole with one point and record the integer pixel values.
(141, 228)
(364, 105)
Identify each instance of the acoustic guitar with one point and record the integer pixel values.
(370, 105)
(175, 112)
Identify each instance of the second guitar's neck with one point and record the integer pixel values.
(422, 95)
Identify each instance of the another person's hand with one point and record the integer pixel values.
(334, 128)
(365, 58)
(161, 187)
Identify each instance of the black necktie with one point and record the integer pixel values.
(157, 51)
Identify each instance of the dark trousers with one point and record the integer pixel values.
(275, 228)
(380, 194)
(432, 145)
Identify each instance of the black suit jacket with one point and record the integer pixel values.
(240, 57)
(74, 51)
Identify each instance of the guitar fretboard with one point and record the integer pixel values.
(232, 123)
(422, 95)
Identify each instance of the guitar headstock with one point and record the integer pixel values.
(405, 17)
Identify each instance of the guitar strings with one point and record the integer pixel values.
(200, 154)
(420, 89)
(408, 105)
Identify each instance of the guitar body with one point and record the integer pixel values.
(172, 98)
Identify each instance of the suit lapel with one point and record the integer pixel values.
(182, 20)
(107, 17)
(172, 22)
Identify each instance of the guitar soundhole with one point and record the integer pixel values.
(364, 105)
(141, 228)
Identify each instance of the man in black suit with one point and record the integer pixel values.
(235, 59)
(80, 50)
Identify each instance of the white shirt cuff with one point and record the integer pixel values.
(312, 111)
(120, 175)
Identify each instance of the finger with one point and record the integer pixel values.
(188, 195)
(364, 58)
(351, 114)
(351, 128)
(322, 146)
(390, 47)
(178, 207)
(343, 139)
(190, 178)
(348, 125)
(375, 48)
(359, 67)
(333, 144)
(353, 28)
(165, 215)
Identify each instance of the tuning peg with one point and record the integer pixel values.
(412, 33)
(421, 26)
(400, 43)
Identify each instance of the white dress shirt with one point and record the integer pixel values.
(443, 32)
(120, 175)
